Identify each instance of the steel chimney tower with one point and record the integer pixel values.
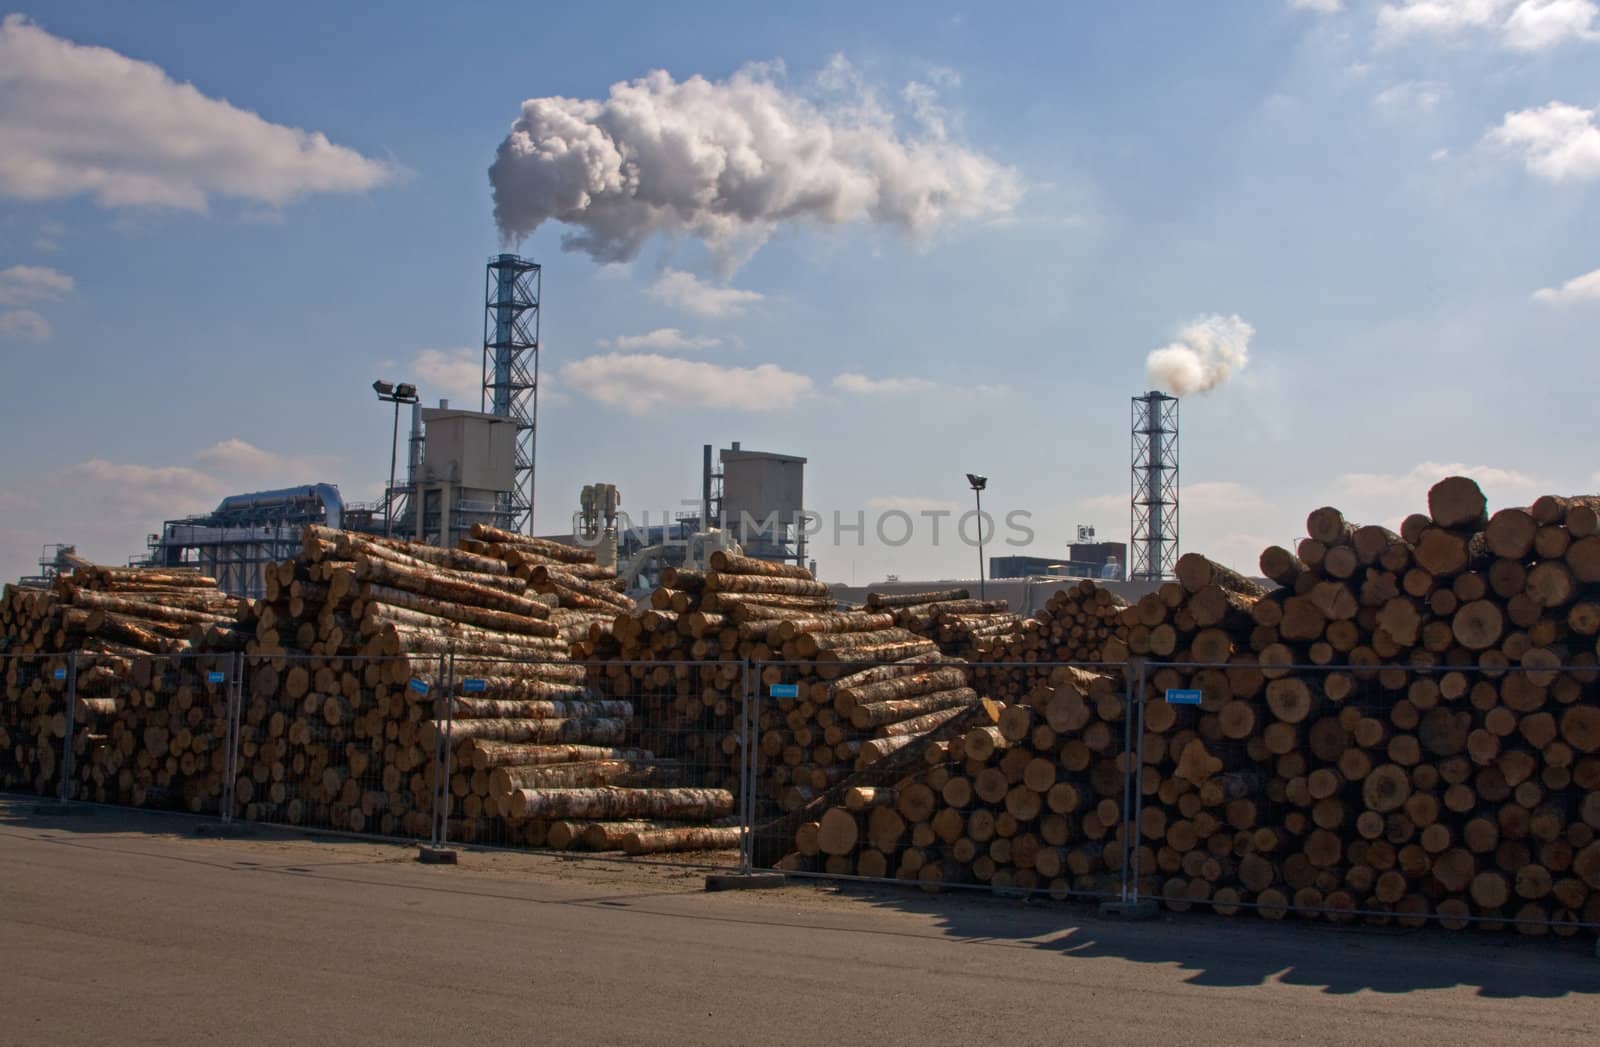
(1153, 529)
(511, 369)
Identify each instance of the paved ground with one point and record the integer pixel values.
(125, 928)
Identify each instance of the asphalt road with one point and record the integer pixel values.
(121, 928)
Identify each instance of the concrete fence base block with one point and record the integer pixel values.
(436, 856)
(1144, 909)
(745, 881)
(227, 829)
(58, 810)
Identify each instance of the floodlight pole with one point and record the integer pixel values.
(394, 452)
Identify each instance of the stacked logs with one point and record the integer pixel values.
(682, 659)
(1082, 623)
(353, 636)
(587, 596)
(1031, 799)
(347, 732)
(852, 686)
(143, 714)
(950, 618)
(1407, 726)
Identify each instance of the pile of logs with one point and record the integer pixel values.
(1032, 799)
(348, 732)
(343, 707)
(1409, 725)
(963, 628)
(683, 659)
(851, 686)
(1406, 728)
(1082, 623)
(960, 625)
(587, 596)
(144, 714)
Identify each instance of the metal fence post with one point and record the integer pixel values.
(1138, 772)
(449, 729)
(438, 765)
(69, 758)
(1130, 782)
(747, 774)
(230, 761)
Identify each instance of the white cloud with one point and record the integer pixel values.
(1585, 288)
(1559, 142)
(24, 324)
(1539, 24)
(1415, 483)
(26, 284)
(1436, 17)
(81, 120)
(861, 385)
(662, 339)
(235, 460)
(1411, 97)
(1520, 25)
(453, 374)
(688, 292)
(151, 491)
(913, 505)
(730, 161)
(1324, 7)
(645, 382)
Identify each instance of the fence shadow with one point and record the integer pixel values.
(1243, 951)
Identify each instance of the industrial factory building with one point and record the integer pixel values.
(467, 467)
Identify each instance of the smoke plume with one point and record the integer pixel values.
(1206, 354)
(729, 161)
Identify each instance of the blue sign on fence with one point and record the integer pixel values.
(1182, 696)
(215, 677)
(784, 690)
(474, 686)
(60, 674)
(420, 686)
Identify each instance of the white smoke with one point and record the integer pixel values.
(729, 161)
(1207, 353)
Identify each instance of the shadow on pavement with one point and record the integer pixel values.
(1212, 951)
(1247, 951)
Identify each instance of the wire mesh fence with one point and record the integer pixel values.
(336, 743)
(896, 771)
(643, 758)
(1385, 794)
(1388, 794)
(152, 730)
(34, 721)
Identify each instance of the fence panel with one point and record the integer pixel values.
(897, 771)
(33, 722)
(162, 725)
(1399, 795)
(642, 758)
(337, 743)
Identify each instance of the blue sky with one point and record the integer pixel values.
(199, 300)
